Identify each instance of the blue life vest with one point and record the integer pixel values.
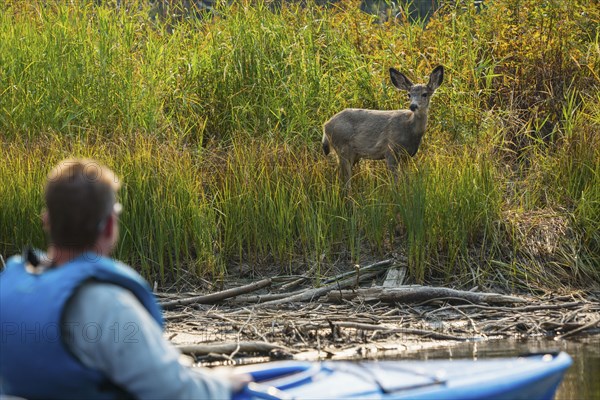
(34, 360)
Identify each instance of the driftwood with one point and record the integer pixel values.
(261, 298)
(177, 317)
(384, 329)
(228, 348)
(580, 329)
(218, 296)
(234, 296)
(312, 294)
(355, 277)
(296, 282)
(334, 329)
(368, 268)
(539, 307)
(422, 294)
(243, 323)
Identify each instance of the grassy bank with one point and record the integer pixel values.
(214, 124)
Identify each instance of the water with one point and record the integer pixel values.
(582, 380)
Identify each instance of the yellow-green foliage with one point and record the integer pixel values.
(167, 224)
(214, 123)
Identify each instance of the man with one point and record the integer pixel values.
(78, 324)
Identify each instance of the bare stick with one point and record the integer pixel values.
(469, 318)
(379, 264)
(300, 280)
(176, 317)
(415, 294)
(513, 309)
(218, 296)
(386, 329)
(261, 298)
(583, 328)
(228, 348)
(311, 294)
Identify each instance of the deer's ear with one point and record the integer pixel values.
(436, 78)
(400, 80)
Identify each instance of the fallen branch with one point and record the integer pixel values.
(320, 325)
(218, 296)
(514, 309)
(311, 294)
(428, 334)
(177, 317)
(358, 275)
(261, 298)
(228, 348)
(384, 329)
(299, 281)
(419, 294)
(378, 265)
(581, 329)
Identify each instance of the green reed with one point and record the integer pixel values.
(167, 226)
(214, 123)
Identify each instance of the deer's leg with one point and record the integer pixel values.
(345, 171)
(392, 163)
(346, 160)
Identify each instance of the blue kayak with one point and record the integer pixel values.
(526, 377)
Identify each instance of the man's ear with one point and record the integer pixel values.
(109, 226)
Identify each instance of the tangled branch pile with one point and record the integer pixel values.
(333, 322)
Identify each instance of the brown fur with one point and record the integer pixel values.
(356, 133)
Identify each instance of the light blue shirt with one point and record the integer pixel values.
(108, 329)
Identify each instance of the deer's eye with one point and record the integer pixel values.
(424, 95)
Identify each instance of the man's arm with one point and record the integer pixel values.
(110, 331)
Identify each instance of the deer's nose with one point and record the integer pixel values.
(413, 107)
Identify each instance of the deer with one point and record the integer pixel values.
(394, 135)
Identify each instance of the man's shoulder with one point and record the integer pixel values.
(97, 301)
(99, 293)
(100, 288)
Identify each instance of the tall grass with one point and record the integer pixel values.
(167, 225)
(214, 122)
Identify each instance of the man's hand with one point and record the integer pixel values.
(237, 381)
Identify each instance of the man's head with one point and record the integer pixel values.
(81, 204)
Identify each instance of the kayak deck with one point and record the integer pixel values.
(530, 377)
